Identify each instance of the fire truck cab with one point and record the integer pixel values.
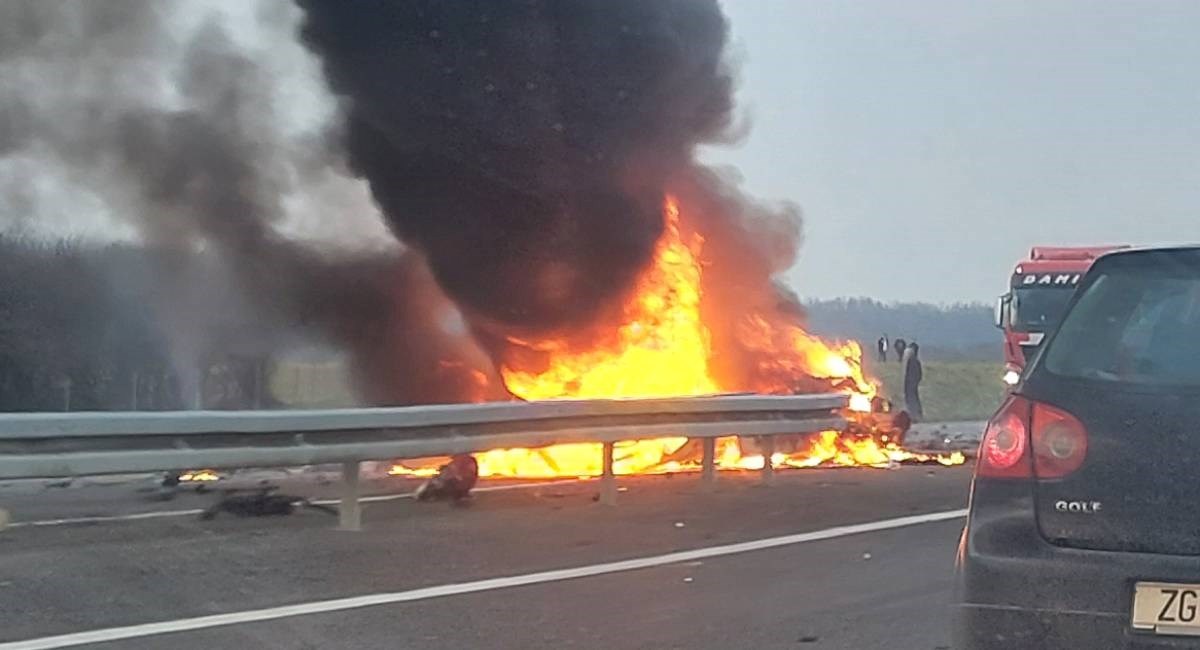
(1038, 293)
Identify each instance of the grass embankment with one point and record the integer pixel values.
(950, 390)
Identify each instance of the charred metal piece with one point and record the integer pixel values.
(260, 502)
(454, 480)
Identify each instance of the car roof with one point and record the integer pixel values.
(1185, 254)
(1177, 248)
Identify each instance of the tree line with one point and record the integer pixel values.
(948, 332)
(81, 328)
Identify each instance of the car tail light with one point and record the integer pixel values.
(1027, 439)
(1060, 442)
(1004, 450)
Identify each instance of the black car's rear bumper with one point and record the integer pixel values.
(1016, 590)
(982, 627)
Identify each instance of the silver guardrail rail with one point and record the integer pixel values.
(36, 445)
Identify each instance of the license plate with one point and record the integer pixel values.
(1167, 608)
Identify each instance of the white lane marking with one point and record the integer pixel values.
(485, 488)
(104, 518)
(325, 502)
(355, 602)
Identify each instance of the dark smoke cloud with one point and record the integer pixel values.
(524, 146)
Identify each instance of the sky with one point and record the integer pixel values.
(931, 143)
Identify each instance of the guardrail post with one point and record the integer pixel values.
(708, 463)
(608, 479)
(767, 445)
(350, 510)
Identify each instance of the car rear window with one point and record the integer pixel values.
(1136, 322)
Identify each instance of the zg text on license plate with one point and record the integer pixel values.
(1167, 608)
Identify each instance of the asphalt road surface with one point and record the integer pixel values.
(671, 566)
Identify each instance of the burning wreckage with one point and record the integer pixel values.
(560, 238)
(564, 241)
(552, 232)
(661, 347)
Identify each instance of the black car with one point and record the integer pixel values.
(1084, 525)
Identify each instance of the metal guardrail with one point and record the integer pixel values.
(34, 445)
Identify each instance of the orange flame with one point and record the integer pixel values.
(662, 348)
(789, 352)
(200, 476)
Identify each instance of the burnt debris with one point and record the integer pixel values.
(454, 481)
(260, 502)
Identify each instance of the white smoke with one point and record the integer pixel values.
(71, 70)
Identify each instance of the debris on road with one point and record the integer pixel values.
(454, 480)
(262, 502)
(679, 524)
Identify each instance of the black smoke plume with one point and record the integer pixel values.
(525, 145)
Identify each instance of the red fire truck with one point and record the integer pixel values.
(1038, 293)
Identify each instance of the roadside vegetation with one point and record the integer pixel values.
(951, 390)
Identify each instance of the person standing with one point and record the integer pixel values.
(881, 346)
(899, 349)
(913, 373)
